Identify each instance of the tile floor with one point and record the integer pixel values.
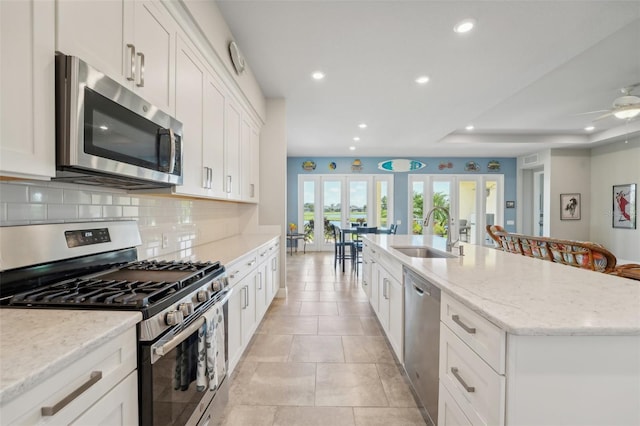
(319, 357)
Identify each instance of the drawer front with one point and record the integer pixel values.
(113, 361)
(239, 269)
(449, 413)
(486, 339)
(476, 387)
(267, 250)
(393, 266)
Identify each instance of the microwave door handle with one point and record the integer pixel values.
(172, 160)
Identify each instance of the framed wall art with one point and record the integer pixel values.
(624, 206)
(570, 206)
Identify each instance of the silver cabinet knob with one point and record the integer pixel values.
(203, 296)
(174, 318)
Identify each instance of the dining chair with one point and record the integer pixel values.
(356, 248)
(340, 246)
(463, 229)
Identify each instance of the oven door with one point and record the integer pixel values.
(176, 387)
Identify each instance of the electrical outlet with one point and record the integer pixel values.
(165, 241)
(398, 222)
(511, 222)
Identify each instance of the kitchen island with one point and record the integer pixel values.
(553, 344)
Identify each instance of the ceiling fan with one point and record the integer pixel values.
(625, 107)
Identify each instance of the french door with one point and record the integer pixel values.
(472, 200)
(342, 200)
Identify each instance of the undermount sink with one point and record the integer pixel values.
(424, 252)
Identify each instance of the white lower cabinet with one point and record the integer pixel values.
(100, 388)
(254, 280)
(117, 408)
(449, 413)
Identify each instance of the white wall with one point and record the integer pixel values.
(570, 173)
(273, 174)
(614, 164)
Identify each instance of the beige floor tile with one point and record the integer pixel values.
(396, 385)
(319, 308)
(347, 385)
(314, 416)
(249, 415)
(371, 326)
(340, 326)
(284, 307)
(367, 349)
(281, 384)
(316, 349)
(326, 286)
(309, 296)
(289, 324)
(351, 295)
(269, 348)
(355, 308)
(388, 416)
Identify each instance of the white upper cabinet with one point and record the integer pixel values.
(213, 149)
(130, 41)
(190, 82)
(27, 110)
(250, 160)
(233, 121)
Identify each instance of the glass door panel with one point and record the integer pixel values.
(441, 196)
(309, 210)
(466, 220)
(358, 195)
(382, 218)
(417, 207)
(490, 208)
(331, 210)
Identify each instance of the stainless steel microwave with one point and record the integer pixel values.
(109, 136)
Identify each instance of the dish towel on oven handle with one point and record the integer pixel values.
(210, 343)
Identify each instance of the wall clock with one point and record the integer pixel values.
(236, 58)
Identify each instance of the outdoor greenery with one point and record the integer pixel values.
(440, 199)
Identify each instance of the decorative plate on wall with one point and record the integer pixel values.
(308, 165)
(332, 165)
(472, 166)
(356, 166)
(493, 166)
(445, 165)
(401, 165)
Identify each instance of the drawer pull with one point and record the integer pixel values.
(454, 371)
(93, 379)
(234, 274)
(456, 319)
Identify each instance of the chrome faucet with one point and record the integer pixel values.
(449, 230)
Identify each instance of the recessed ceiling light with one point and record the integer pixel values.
(464, 26)
(362, 125)
(103, 127)
(470, 127)
(352, 148)
(423, 79)
(356, 139)
(589, 128)
(318, 75)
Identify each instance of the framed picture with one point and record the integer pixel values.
(570, 207)
(510, 204)
(624, 206)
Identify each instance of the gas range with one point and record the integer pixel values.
(167, 293)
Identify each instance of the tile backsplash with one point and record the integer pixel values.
(184, 222)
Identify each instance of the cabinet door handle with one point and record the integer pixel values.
(260, 280)
(246, 294)
(454, 371)
(93, 379)
(210, 178)
(229, 184)
(141, 69)
(456, 319)
(205, 179)
(246, 290)
(253, 190)
(132, 62)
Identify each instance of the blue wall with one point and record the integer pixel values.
(400, 188)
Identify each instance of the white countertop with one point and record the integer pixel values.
(527, 296)
(36, 343)
(225, 251)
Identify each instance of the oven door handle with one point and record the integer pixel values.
(168, 346)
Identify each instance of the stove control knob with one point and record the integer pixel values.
(186, 309)
(174, 318)
(216, 286)
(203, 296)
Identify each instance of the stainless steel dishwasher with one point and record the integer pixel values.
(422, 339)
